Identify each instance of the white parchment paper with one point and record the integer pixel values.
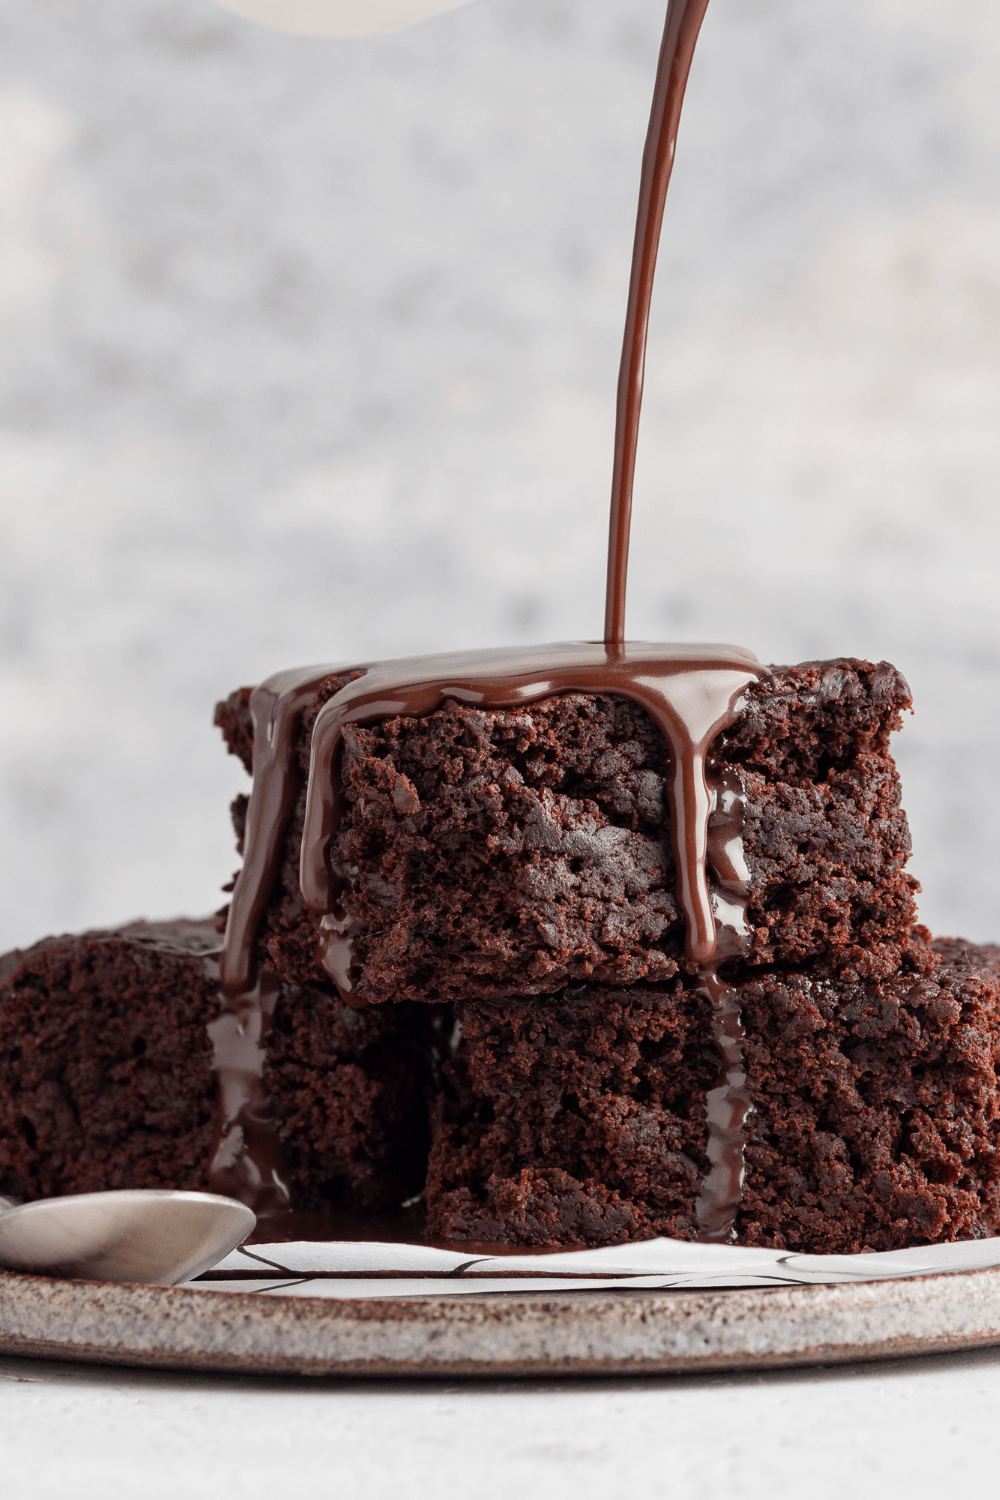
(342, 1268)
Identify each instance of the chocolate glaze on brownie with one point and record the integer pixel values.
(513, 852)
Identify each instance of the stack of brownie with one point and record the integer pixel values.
(526, 1044)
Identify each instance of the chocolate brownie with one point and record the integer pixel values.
(876, 1118)
(105, 1064)
(875, 1121)
(576, 1119)
(513, 852)
(106, 1074)
(513, 867)
(353, 1093)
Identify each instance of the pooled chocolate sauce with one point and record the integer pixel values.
(692, 692)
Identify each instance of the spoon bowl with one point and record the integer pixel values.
(158, 1237)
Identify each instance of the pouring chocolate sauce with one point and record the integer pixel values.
(692, 693)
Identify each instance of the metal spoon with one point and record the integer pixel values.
(137, 1234)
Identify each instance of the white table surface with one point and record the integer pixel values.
(922, 1427)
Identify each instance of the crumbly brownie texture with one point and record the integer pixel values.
(515, 852)
(876, 1112)
(579, 1119)
(106, 1074)
(576, 1119)
(353, 1093)
(979, 955)
(105, 1065)
(876, 1108)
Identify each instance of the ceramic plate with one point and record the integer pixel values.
(530, 1333)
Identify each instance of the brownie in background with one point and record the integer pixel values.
(105, 1063)
(106, 1074)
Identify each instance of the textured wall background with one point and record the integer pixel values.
(308, 350)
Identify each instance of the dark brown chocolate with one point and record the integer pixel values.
(727, 1105)
(247, 1159)
(680, 34)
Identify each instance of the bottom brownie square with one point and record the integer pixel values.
(876, 1107)
(581, 1118)
(574, 1119)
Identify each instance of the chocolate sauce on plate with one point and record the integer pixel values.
(692, 692)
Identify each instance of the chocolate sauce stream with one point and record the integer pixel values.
(691, 692)
(680, 34)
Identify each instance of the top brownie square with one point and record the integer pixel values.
(514, 852)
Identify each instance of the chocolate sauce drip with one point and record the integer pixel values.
(247, 1159)
(691, 692)
(275, 710)
(246, 1154)
(680, 34)
(728, 1105)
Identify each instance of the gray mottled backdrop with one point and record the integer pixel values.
(308, 350)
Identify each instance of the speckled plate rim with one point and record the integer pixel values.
(492, 1335)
